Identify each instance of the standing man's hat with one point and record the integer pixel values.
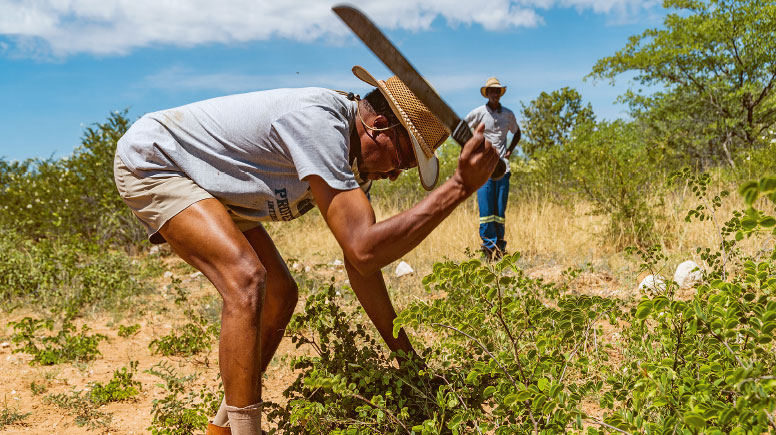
(425, 131)
(492, 83)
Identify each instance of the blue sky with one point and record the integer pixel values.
(65, 65)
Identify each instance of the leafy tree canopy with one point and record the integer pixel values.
(550, 118)
(715, 61)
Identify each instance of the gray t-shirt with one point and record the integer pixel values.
(250, 151)
(497, 125)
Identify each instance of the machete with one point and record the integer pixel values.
(376, 41)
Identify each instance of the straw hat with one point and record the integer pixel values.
(492, 83)
(425, 131)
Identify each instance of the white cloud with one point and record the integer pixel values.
(65, 27)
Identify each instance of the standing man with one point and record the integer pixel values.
(202, 176)
(492, 196)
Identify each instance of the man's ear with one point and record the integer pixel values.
(380, 121)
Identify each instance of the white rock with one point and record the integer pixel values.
(307, 268)
(195, 275)
(167, 274)
(295, 266)
(688, 274)
(154, 249)
(337, 263)
(4, 344)
(403, 269)
(652, 284)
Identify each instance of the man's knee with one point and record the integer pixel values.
(290, 295)
(245, 294)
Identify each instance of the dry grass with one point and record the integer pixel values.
(547, 234)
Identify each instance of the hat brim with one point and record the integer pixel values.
(485, 88)
(428, 167)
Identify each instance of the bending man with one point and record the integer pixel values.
(202, 176)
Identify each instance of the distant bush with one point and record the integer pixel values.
(67, 275)
(608, 165)
(74, 195)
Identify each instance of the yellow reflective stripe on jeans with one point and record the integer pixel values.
(487, 219)
(499, 219)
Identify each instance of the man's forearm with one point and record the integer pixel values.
(513, 144)
(387, 241)
(373, 296)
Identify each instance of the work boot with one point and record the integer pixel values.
(487, 254)
(217, 430)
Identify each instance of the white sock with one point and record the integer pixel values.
(245, 421)
(221, 418)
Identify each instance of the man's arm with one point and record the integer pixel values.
(515, 139)
(373, 296)
(371, 245)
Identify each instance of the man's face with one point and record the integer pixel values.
(385, 154)
(494, 95)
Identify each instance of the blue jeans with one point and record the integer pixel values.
(492, 200)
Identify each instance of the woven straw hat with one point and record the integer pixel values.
(492, 83)
(425, 131)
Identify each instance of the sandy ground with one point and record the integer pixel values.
(157, 315)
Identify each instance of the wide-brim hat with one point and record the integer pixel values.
(492, 83)
(425, 131)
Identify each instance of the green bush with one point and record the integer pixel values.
(65, 346)
(194, 337)
(10, 416)
(74, 195)
(120, 388)
(67, 274)
(504, 353)
(609, 165)
(183, 410)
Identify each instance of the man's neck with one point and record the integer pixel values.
(496, 107)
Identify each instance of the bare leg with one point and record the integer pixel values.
(281, 294)
(205, 237)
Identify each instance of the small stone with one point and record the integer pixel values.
(195, 275)
(403, 269)
(168, 274)
(652, 284)
(154, 250)
(688, 274)
(5, 344)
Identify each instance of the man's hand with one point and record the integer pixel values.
(476, 162)
(508, 154)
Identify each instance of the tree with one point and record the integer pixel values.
(715, 65)
(550, 119)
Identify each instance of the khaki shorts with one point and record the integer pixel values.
(155, 200)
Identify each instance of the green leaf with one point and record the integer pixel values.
(695, 420)
(643, 309)
(767, 222)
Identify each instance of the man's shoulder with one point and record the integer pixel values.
(479, 110)
(506, 110)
